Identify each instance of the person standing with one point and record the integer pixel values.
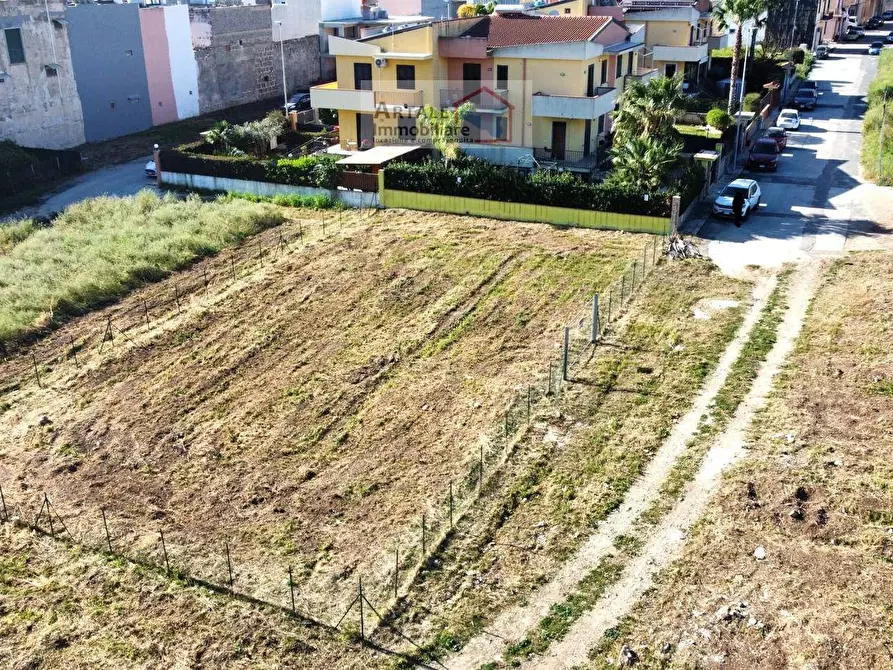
(738, 206)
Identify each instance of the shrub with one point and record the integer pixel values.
(317, 170)
(752, 102)
(466, 11)
(719, 119)
(474, 178)
(871, 141)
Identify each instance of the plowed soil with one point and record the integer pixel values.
(305, 413)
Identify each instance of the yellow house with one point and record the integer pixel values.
(676, 32)
(541, 87)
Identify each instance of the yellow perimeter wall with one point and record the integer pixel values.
(516, 211)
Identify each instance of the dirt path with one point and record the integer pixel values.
(514, 622)
(667, 540)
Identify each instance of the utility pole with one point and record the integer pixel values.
(284, 83)
(794, 25)
(742, 82)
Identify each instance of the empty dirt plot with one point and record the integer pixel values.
(791, 566)
(307, 413)
(575, 468)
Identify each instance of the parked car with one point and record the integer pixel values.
(873, 23)
(889, 38)
(875, 48)
(821, 51)
(722, 206)
(789, 119)
(851, 35)
(298, 102)
(809, 85)
(805, 98)
(858, 28)
(779, 136)
(888, 15)
(763, 155)
(150, 170)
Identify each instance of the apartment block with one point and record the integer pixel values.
(39, 101)
(540, 87)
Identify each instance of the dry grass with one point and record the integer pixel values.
(63, 608)
(816, 491)
(308, 413)
(577, 464)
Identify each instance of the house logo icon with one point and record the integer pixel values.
(491, 120)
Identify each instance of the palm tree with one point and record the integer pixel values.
(443, 127)
(645, 163)
(649, 109)
(737, 12)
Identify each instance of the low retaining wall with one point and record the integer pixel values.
(517, 211)
(263, 188)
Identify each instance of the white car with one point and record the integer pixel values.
(722, 206)
(789, 119)
(150, 169)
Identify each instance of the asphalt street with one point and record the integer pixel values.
(816, 202)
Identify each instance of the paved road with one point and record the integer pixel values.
(816, 203)
(124, 179)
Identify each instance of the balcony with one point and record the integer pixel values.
(696, 53)
(574, 161)
(484, 99)
(400, 98)
(575, 107)
(329, 96)
(644, 74)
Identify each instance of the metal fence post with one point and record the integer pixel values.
(622, 288)
(594, 336)
(566, 355)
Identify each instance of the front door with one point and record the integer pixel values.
(362, 76)
(471, 77)
(559, 132)
(365, 131)
(590, 81)
(587, 137)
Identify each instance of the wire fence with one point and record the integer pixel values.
(435, 521)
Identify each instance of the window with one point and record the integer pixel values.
(502, 128)
(112, 105)
(601, 124)
(50, 71)
(502, 76)
(14, 45)
(670, 70)
(619, 65)
(629, 64)
(406, 77)
(129, 52)
(604, 72)
(567, 10)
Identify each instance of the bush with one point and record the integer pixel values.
(474, 178)
(719, 119)
(752, 102)
(317, 170)
(871, 141)
(285, 200)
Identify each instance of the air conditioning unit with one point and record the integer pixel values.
(381, 62)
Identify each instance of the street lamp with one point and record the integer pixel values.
(284, 83)
(751, 47)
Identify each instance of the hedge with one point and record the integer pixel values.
(316, 170)
(474, 178)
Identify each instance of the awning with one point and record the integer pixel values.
(378, 155)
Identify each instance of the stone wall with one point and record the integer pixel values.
(238, 61)
(37, 107)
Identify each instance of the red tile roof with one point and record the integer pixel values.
(521, 29)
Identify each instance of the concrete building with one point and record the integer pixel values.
(171, 70)
(110, 67)
(541, 88)
(39, 101)
(238, 60)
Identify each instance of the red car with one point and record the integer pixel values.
(780, 135)
(764, 154)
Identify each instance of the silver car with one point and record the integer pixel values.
(722, 206)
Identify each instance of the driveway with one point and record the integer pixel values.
(816, 204)
(124, 179)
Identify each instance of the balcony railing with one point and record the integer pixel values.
(567, 159)
(483, 99)
(400, 98)
(575, 106)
